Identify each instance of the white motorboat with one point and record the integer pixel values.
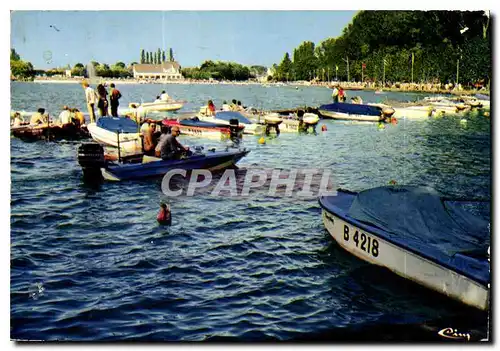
(225, 117)
(416, 233)
(353, 112)
(159, 105)
(117, 132)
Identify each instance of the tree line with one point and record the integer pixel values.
(398, 46)
(20, 69)
(156, 57)
(220, 70)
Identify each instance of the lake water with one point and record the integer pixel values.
(92, 263)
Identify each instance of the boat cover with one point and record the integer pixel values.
(120, 124)
(456, 234)
(195, 122)
(228, 115)
(482, 97)
(352, 109)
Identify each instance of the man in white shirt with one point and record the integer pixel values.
(91, 97)
(164, 96)
(225, 106)
(65, 116)
(335, 94)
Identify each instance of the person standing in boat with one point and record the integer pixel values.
(102, 104)
(172, 149)
(164, 96)
(341, 95)
(113, 99)
(91, 98)
(38, 117)
(335, 94)
(210, 108)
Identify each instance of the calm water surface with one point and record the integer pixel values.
(92, 263)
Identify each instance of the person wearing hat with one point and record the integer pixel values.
(171, 149)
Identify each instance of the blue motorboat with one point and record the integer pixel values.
(440, 243)
(91, 159)
(354, 112)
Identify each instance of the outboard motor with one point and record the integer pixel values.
(234, 130)
(91, 159)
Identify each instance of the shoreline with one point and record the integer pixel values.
(404, 88)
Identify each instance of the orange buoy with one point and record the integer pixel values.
(164, 215)
(323, 128)
(394, 121)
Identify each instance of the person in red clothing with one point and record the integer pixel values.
(164, 216)
(113, 98)
(211, 108)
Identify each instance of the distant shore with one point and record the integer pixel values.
(350, 86)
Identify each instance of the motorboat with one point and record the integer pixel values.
(158, 105)
(118, 132)
(96, 168)
(52, 132)
(354, 112)
(195, 127)
(225, 117)
(417, 233)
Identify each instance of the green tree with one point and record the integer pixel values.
(151, 57)
(143, 56)
(163, 57)
(171, 55)
(158, 55)
(14, 56)
(147, 58)
(285, 68)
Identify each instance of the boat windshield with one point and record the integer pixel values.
(228, 115)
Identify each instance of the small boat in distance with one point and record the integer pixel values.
(418, 234)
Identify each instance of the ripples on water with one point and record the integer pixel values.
(92, 264)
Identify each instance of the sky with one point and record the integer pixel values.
(246, 37)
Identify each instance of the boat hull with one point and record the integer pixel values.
(201, 132)
(350, 117)
(356, 238)
(158, 167)
(68, 132)
(160, 106)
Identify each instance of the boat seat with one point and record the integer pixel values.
(147, 159)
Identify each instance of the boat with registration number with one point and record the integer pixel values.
(417, 233)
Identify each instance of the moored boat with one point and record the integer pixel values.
(50, 132)
(117, 132)
(95, 167)
(225, 117)
(353, 112)
(203, 129)
(163, 105)
(437, 242)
